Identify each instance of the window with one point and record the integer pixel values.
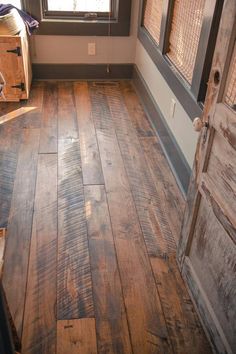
(16, 3)
(179, 36)
(79, 8)
(79, 5)
(185, 34)
(81, 17)
(152, 18)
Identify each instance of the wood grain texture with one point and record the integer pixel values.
(91, 163)
(15, 68)
(11, 67)
(154, 217)
(147, 326)
(48, 135)
(8, 163)
(10, 139)
(36, 96)
(67, 121)
(207, 249)
(19, 226)
(116, 287)
(171, 199)
(39, 334)
(137, 116)
(111, 321)
(76, 336)
(74, 290)
(214, 262)
(74, 275)
(147, 201)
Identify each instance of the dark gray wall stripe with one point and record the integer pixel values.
(177, 161)
(82, 71)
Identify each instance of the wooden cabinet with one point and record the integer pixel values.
(15, 66)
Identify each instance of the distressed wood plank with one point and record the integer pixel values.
(111, 321)
(137, 116)
(48, 135)
(147, 326)
(91, 163)
(33, 107)
(214, 265)
(67, 120)
(74, 290)
(19, 226)
(207, 246)
(220, 181)
(76, 336)
(36, 96)
(39, 333)
(9, 146)
(154, 218)
(10, 139)
(172, 201)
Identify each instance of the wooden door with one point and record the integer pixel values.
(11, 66)
(207, 252)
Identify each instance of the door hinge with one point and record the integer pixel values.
(20, 86)
(17, 51)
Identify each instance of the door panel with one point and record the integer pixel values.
(220, 177)
(207, 251)
(11, 67)
(213, 259)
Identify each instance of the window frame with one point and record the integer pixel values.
(191, 96)
(81, 15)
(116, 25)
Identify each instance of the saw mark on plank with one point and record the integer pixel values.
(74, 274)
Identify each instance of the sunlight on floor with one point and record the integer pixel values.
(15, 114)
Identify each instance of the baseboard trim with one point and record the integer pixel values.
(81, 71)
(175, 157)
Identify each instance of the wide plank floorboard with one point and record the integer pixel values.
(93, 215)
(20, 225)
(74, 281)
(111, 320)
(76, 336)
(41, 285)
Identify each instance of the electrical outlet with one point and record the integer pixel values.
(91, 48)
(172, 108)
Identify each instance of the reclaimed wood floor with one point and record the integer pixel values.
(93, 216)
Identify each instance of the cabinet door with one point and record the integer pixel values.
(11, 67)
